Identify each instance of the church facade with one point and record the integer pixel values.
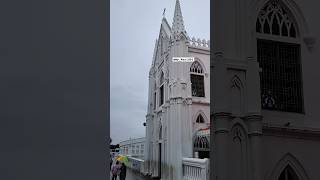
(178, 117)
(265, 98)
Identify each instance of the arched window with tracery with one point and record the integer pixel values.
(274, 19)
(201, 143)
(197, 79)
(278, 54)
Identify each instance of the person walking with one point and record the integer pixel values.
(115, 170)
(123, 171)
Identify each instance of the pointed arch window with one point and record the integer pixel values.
(281, 77)
(200, 119)
(288, 174)
(161, 94)
(197, 79)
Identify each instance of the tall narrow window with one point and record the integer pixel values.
(161, 98)
(280, 79)
(197, 79)
(154, 100)
(155, 96)
(161, 95)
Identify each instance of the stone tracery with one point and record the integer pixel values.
(274, 19)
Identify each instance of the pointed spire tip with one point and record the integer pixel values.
(178, 24)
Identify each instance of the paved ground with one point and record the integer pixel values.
(132, 176)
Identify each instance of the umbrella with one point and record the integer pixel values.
(118, 156)
(123, 159)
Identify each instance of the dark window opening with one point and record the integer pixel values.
(161, 100)
(197, 85)
(292, 32)
(288, 174)
(275, 26)
(280, 79)
(258, 26)
(266, 28)
(160, 132)
(200, 119)
(284, 30)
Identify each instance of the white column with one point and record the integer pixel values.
(186, 125)
(178, 159)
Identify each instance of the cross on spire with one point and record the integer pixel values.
(178, 25)
(164, 12)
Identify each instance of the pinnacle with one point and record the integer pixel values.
(178, 25)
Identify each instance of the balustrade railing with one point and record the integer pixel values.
(195, 169)
(136, 164)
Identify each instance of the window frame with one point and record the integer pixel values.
(202, 75)
(282, 39)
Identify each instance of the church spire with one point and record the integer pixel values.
(178, 25)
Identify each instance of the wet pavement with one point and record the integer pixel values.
(131, 175)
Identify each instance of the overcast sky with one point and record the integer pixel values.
(135, 25)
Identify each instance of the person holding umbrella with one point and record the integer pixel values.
(123, 171)
(115, 171)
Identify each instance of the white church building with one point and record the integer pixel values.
(178, 116)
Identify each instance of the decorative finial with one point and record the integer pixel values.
(178, 25)
(164, 13)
